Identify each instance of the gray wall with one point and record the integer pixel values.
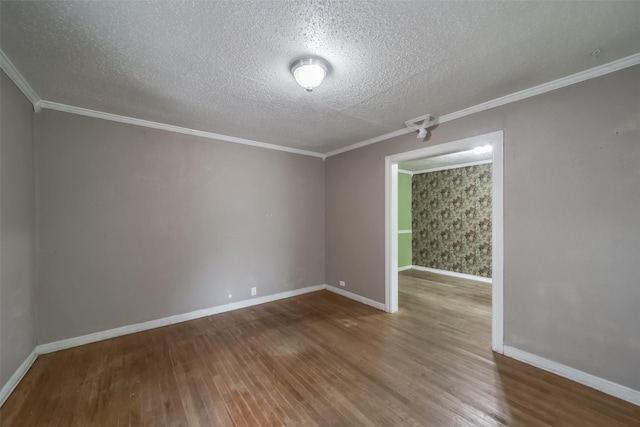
(571, 211)
(17, 229)
(137, 224)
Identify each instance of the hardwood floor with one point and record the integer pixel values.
(317, 359)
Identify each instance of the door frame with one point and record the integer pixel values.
(495, 139)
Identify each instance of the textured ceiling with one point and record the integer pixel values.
(222, 66)
(461, 158)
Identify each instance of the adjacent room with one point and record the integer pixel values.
(319, 213)
(445, 239)
(444, 246)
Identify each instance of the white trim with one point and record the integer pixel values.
(453, 274)
(391, 236)
(406, 172)
(370, 141)
(605, 386)
(23, 85)
(569, 80)
(356, 297)
(171, 128)
(17, 376)
(497, 243)
(16, 77)
(461, 165)
(405, 231)
(447, 148)
(38, 104)
(391, 223)
(138, 327)
(405, 268)
(581, 76)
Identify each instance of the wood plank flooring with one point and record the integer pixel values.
(317, 359)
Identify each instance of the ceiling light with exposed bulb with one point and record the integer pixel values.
(425, 121)
(309, 72)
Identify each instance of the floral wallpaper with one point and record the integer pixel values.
(451, 220)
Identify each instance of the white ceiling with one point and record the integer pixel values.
(223, 66)
(461, 158)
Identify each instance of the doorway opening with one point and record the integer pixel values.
(450, 150)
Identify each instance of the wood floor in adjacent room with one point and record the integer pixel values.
(317, 359)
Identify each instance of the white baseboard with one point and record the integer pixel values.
(17, 376)
(605, 386)
(356, 297)
(138, 327)
(453, 273)
(406, 267)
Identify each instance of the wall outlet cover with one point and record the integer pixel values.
(342, 283)
(254, 291)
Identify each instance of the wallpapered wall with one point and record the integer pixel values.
(452, 220)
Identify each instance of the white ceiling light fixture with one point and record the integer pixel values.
(309, 72)
(483, 149)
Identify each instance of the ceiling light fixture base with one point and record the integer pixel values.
(421, 124)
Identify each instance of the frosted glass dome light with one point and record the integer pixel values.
(309, 72)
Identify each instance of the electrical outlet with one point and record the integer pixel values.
(254, 291)
(342, 283)
(230, 296)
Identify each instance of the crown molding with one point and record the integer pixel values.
(16, 77)
(171, 128)
(38, 104)
(23, 85)
(370, 141)
(581, 76)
